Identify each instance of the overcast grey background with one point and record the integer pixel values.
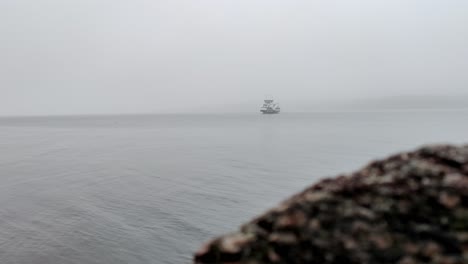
(110, 56)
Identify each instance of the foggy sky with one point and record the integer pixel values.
(111, 56)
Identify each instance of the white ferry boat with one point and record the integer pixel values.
(270, 107)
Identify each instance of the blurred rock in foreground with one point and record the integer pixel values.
(409, 208)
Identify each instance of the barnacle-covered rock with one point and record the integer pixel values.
(410, 208)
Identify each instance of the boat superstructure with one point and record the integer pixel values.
(270, 107)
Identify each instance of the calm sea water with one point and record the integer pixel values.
(153, 188)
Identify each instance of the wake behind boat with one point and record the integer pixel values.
(270, 107)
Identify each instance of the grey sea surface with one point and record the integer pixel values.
(152, 188)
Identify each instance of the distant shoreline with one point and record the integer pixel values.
(387, 110)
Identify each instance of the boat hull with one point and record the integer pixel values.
(270, 111)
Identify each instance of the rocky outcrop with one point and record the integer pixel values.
(409, 208)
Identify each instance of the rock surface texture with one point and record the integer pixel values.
(410, 208)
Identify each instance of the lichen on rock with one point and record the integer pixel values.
(407, 209)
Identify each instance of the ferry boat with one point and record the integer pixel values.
(270, 107)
